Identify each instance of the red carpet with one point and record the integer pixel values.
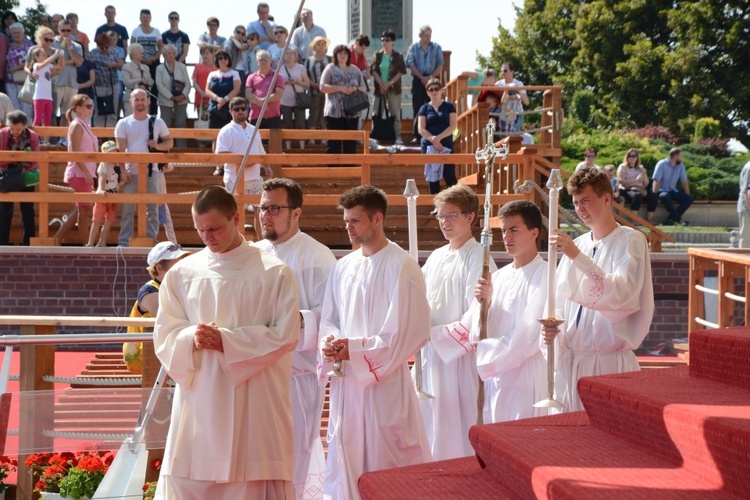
(670, 433)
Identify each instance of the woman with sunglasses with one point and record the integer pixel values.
(589, 159)
(81, 176)
(633, 179)
(339, 80)
(237, 46)
(222, 85)
(436, 122)
(281, 34)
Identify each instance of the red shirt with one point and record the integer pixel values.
(259, 85)
(358, 60)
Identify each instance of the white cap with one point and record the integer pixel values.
(166, 250)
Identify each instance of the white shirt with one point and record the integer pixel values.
(43, 88)
(234, 138)
(135, 132)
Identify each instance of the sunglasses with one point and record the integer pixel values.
(632, 156)
(50, 40)
(279, 32)
(221, 58)
(263, 59)
(174, 18)
(64, 31)
(433, 89)
(506, 71)
(239, 108)
(242, 33)
(590, 156)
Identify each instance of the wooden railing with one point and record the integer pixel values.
(732, 267)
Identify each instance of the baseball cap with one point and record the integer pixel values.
(109, 146)
(166, 250)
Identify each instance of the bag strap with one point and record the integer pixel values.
(290, 77)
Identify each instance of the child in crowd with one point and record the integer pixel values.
(43, 91)
(611, 173)
(111, 179)
(251, 62)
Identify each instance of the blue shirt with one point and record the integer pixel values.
(258, 28)
(426, 61)
(437, 121)
(667, 175)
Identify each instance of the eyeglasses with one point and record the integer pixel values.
(239, 108)
(50, 40)
(263, 59)
(279, 32)
(221, 58)
(434, 89)
(64, 31)
(211, 24)
(448, 217)
(174, 18)
(271, 209)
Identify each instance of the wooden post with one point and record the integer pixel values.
(728, 271)
(44, 238)
(35, 415)
(366, 179)
(698, 267)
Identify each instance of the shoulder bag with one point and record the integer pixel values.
(302, 99)
(356, 103)
(383, 127)
(178, 87)
(26, 94)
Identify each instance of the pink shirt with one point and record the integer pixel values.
(260, 84)
(89, 144)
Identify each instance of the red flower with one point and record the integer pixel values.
(53, 470)
(108, 460)
(91, 463)
(35, 459)
(40, 485)
(156, 464)
(145, 487)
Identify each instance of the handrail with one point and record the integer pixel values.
(733, 268)
(74, 338)
(10, 319)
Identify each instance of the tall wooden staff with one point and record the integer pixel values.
(412, 193)
(554, 184)
(487, 155)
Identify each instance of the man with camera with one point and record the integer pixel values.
(140, 133)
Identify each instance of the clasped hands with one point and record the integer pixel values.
(208, 337)
(335, 349)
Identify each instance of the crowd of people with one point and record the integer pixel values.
(239, 323)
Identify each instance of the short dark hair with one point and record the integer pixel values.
(460, 195)
(509, 65)
(224, 53)
(674, 152)
(363, 40)
(590, 151)
(433, 81)
(261, 5)
(292, 188)
(146, 11)
(15, 117)
(253, 35)
(237, 100)
(490, 72)
(342, 48)
(390, 34)
(590, 176)
(217, 197)
(213, 20)
(529, 212)
(370, 198)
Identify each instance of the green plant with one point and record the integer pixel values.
(83, 479)
(50, 469)
(6, 467)
(706, 128)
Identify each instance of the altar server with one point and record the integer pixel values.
(604, 290)
(375, 317)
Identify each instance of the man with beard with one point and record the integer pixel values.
(279, 211)
(374, 320)
(132, 136)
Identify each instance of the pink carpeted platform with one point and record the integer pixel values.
(678, 433)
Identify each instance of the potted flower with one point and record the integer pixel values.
(84, 478)
(149, 489)
(6, 467)
(49, 469)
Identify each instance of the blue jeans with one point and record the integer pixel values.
(669, 197)
(129, 209)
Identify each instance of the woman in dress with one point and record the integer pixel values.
(436, 123)
(174, 86)
(80, 176)
(135, 75)
(296, 81)
(339, 80)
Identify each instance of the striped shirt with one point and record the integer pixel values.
(426, 61)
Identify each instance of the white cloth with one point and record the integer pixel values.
(234, 138)
(43, 88)
(449, 369)
(231, 415)
(275, 52)
(433, 172)
(617, 294)
(510, 359)
(111, 178)
(135, 133)
(184, 489)
(312, 263)
(379, 304)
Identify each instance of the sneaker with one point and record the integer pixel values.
(63, 143)
(311, 142)
(219, 171)
(399, 142)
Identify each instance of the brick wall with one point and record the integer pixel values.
(103, 282)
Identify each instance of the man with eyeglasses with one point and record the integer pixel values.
(176, 37)
(425, 60)
(258, 86)
(263, 27)
(448, 360)
(66, 81)
(227, 324)
(306, 33)
(234, 138)
(122, 32)
(280, 210)
(374, 320)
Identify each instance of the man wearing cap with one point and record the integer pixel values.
(306, 33)
(160, 259)
(227, 324)
(280, 209)
(263, 27)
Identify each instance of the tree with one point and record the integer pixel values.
(646, 61)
